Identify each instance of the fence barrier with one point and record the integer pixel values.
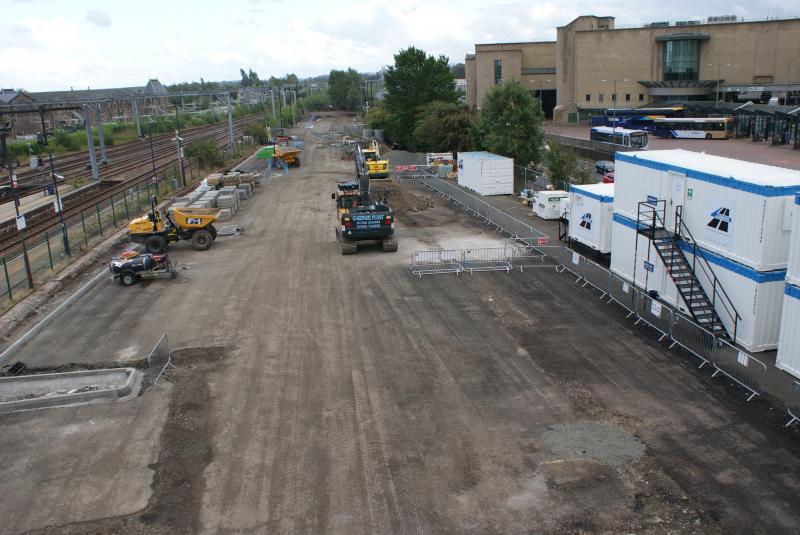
(596, 276)
(622, 293)
(654, 314)
(693, 338)
(793, 405)
(739, 366)
(457, 261)
(160, 359)
(573, 262)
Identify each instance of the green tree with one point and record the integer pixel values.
(415, 79)
(291, 79)
(563, 168)
(344, 89)
(206, 152)
(245, 78)
(511, 123)
(443, 126)
(458, 70)
(253, 78)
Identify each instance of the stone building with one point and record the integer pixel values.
(576, 75)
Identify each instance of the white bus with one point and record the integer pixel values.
(694, 128)
(635, 139)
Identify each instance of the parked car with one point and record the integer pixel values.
(604, 166)
(608, 178)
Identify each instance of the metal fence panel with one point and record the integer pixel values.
(740, 366)
(693, 338)
(441, 261)
(159, 359)
(537, 256)
(793, 404)
(573, 262)
(655, 314)
(623, 293)
(596, 276)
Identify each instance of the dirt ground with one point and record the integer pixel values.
(320, 393)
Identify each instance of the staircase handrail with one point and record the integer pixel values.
(682, 232)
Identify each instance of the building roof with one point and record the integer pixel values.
(152, 88)
(725, 169)
(7, 95)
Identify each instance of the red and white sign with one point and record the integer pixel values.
(541, 241)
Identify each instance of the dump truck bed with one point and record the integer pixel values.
(194, 217)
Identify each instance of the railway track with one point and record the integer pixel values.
(122, 158)
(165, 159)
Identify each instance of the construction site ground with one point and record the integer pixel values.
(321, 393)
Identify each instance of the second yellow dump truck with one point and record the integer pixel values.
(376, 167)
(156, 229)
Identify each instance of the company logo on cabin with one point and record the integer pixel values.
(586, 221)
(721, 220)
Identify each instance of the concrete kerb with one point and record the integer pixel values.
(36, 329)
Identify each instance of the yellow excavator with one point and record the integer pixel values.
(156, 229)
(376, 167)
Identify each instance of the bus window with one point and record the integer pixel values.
(638, 140)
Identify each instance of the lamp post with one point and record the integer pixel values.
(152, 152)
(58, 206)
(614, 100)
(5, 129)
(716, 91)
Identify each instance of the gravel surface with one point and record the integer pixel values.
(602, 442)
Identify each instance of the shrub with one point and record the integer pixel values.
(205, 152)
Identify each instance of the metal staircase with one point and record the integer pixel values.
(694, 279)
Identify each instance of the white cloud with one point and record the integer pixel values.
(98, 17)
(54, 50)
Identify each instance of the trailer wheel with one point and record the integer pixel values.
(155, 244)
(201, 239)
(127, 278)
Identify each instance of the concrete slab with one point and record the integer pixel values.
(77, 464)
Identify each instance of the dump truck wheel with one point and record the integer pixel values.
(212, 229)
(127, 278)
(155, 244)
(202, 239)
(389, 245)
(349, 248)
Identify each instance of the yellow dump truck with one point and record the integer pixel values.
(376, 167)
(156, 229)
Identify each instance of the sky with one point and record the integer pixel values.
(58, 44)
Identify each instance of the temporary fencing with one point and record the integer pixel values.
(793, 405)
(739, 366)
(507, 258)
(680, 330)
(654, 314)
(693, 338)
(159, 359)
(503, 222)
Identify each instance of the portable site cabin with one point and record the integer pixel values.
(592, 205)
(740, 210)
(788, 358)
(486, 173)
(793, 264)
(547, 203)
(739, 214)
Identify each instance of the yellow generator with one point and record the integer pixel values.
(156, 229)
(376, 167)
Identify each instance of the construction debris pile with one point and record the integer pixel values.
(223, 191)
